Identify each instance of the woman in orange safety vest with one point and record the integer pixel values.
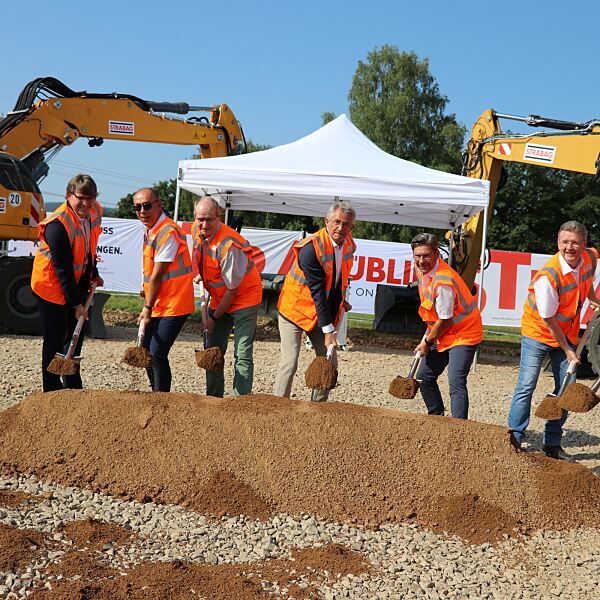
(63, 271)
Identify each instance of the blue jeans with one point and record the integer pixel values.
(159, 337)
(458, 359)
(532, 357)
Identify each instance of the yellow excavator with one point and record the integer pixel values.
(49, 116)
(568, 145)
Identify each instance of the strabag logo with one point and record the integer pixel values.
(121, 127)
(539, 153)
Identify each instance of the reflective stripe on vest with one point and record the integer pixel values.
(176, 293)
(249, 291)
(295, 301)
(44, 280)
(466, 328)
(571, 295)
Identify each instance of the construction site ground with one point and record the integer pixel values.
(112, 493)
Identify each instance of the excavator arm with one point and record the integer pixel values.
(49, 115)
(569, 145)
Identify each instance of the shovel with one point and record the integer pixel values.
(322, 373)
(138, 356)
(551, 407)
(406, 388)
(579, 397)
(210, 359)
(65, 364)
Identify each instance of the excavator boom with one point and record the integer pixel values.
(569, 145)
(47, 116)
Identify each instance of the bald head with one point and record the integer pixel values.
(206, 215)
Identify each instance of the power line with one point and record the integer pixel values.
(109, 173)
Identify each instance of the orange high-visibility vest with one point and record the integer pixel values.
(44, 281)
(176, 293)
(295, 301)
(467, 328)
(249, 292)
(571, 296)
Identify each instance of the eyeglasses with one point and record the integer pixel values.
(88, 199)
(145, 206)
(342, 224)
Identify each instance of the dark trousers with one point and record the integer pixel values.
(58, 324)
(458, 360)
(159, 338)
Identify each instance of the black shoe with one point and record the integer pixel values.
(556, 452)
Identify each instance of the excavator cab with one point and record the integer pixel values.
(21, 201)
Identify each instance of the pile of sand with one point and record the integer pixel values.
(257, 454)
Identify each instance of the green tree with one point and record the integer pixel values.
(396, 102)
(327, 117)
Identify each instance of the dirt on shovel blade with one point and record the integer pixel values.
(211, 359)
(404, 388)
(136, 356)
(578, 398)
(63, 366)
(549, 408)
(320, 374)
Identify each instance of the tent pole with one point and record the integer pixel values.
(481, 270)
(451, 245)
(177, 195)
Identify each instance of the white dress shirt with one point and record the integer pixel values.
(444, 296)
(546, 297)
(337, 254)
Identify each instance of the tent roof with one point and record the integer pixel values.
(337, 161)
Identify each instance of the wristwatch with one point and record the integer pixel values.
(148, 307)
(428, 342)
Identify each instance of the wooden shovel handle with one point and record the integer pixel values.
(79, 326)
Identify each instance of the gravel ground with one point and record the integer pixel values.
(410, 562)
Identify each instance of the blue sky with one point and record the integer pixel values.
(280, 65)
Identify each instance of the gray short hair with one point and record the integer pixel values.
(574, 227)
(343, 205)
(426, 239)
(212, 200)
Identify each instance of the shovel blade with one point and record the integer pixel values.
(404, 388)
(549, 408)
(60, 365)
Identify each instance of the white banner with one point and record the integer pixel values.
(377, 262)
(505, 281)
(120, 254)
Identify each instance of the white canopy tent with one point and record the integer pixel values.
(337, 161)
